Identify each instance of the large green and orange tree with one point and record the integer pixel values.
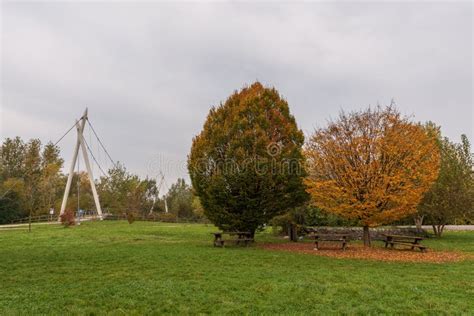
(373, 166)
(451, 198)
(246, 166)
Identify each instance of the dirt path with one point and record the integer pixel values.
(448, 227)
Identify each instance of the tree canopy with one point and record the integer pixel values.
(373, 166)
(180, 199)
(452, 195)
(32, 182)
(29, 177)
(246, 165)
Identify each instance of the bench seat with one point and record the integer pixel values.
(319, 239)
(219, 241)
(332, 240)
(406, 243)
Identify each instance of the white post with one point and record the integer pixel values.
(91, 176)
(73, 163)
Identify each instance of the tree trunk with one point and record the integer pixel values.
(293, 233)
(366, 236)
(419, 222)
(29, 222)
(252, 233)
(438, 230)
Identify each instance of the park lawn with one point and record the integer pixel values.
(157, 268)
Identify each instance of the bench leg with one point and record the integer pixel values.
(344, 245)
(316, 245)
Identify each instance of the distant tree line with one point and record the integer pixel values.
(32, 182)
(250, 166)
(30, 178)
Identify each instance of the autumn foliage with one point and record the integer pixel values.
(373, 166)
(68, 218)
(246, 164)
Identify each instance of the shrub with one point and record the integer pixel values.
(167, 217)
(68, 218)
(130, 217)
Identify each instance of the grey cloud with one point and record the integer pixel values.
(149, 72)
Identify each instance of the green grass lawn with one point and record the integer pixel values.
(156, 268)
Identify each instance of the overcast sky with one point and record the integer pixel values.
(149, 72)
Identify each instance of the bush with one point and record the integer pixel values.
(167, 217)
(300, 217)
(317, 217)
(130, 217)
(68, 218)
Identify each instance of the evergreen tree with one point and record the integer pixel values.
(246, 165)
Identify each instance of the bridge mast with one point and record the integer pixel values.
(81, 143)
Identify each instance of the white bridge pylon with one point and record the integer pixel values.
(80, 143)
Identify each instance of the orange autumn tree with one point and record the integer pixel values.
(373, 166)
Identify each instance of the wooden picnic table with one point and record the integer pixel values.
(410, 241)
(339, 238)
(235, 236)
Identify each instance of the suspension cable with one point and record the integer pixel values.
(90, 141)
(100, 142)
(93, 157)
(67, 132)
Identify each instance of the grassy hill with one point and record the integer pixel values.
(155, 268)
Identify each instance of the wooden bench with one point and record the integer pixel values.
(338, 238)
(409, 241)
(239, 238)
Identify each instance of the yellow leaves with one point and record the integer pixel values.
(372, 165)
(12, 184)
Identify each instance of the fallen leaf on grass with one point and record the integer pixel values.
(370, 253)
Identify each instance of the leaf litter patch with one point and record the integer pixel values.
(373, 253)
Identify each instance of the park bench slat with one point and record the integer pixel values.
(406, 243)
(410, 241)
(342, 238)
(242, 237)
(404, 236)
(329, 239)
